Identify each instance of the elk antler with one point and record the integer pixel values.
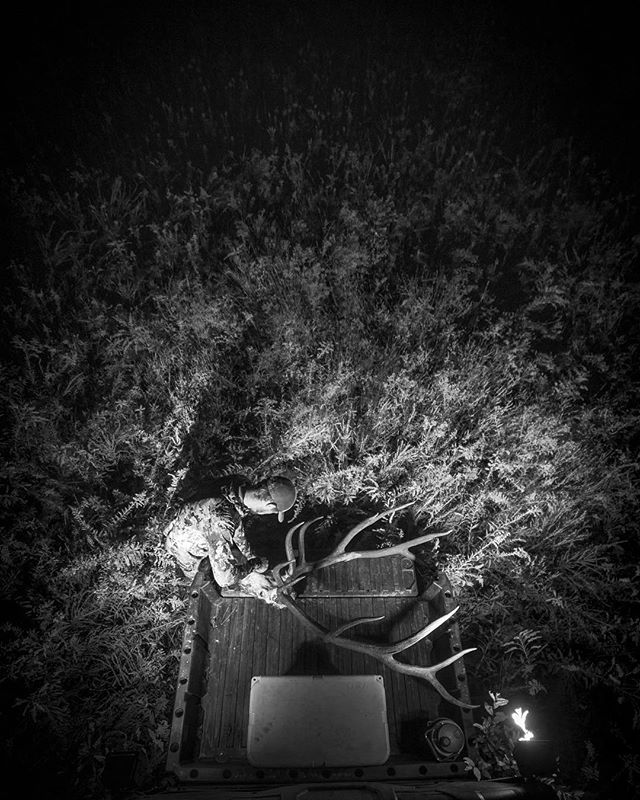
(383, 653)
(339, 554)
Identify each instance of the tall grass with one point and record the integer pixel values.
(354, 273)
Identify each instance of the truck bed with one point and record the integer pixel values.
(230, 639)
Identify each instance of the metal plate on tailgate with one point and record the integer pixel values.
(319, 720)
(367, 577)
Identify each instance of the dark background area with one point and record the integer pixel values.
(576, 64)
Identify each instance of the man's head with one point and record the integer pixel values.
(274, 495)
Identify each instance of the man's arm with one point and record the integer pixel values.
(186, 544)
(223, 536)
(226, 570)
(241, 542)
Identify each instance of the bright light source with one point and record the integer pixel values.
(520, 718)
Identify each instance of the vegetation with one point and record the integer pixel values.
(354, 271)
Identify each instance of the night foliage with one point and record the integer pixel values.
(354, 270)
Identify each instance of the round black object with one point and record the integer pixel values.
(445, 738)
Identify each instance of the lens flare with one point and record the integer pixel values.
(520, 718)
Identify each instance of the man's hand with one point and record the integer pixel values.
(262, 587)
(258, 564)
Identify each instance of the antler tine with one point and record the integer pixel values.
(288, 542)
(340, 547)
(302, 567)
(301, 535)
(339, 631)
(403, 548)
(405, 644)
(451, 660)
(428, 674)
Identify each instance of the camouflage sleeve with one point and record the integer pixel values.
(203, 528)
(187, 545)
(226, 570)
(240, 541)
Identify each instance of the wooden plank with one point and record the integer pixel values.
(345, 607)
(301, 653)
(377, 579)
(273, 640)
(231, 685)
(260, 638)
(285, 652)
(235, 692)
(218, 648)
(404, 707)
(256, 652)
(381, 606)
(245, 671)
(224, 679)
(331, 655)
(417, 693)
(228, 634)
(292, 665)
(343, 573)
(362, 580)
(363, 608)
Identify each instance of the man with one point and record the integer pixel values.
(214, 527)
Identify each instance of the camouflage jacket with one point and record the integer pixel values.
(213, 527)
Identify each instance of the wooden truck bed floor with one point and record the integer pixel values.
(251, 638)
(228, 640)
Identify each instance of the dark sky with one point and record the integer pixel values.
(582, 59)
